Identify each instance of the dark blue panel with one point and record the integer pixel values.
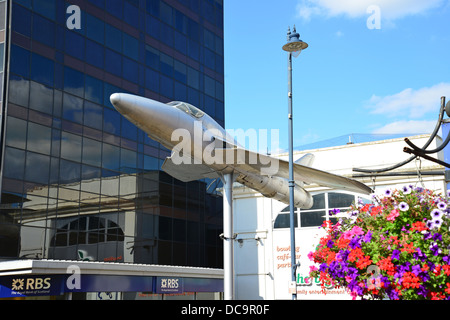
(113, 38)
(152, 26)
(151, 80)
(74, 44)
(113, 62)
(94, 53)
(130, 70)
(43, 30)
(20, 61)
(111, 121)
(131, 14)
(130, 47)
(42, 69)
(115, 7)
(21, 21)
(45, 7)
(152, 7)
(108, 90)
(95, 28)
(98, 3)
(166, 86)
(180, 92)
(73, 82)
(93, 89)
(129, 130)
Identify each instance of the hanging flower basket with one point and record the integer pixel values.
(395, 248)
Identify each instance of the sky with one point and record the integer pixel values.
(371, 67)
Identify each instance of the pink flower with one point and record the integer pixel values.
(394, 214)
(313, 268)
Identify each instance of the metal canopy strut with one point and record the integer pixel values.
(416, 151)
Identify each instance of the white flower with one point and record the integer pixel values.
(403, 206)
(406, 190)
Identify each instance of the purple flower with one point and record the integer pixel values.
(416, 269)
(368, 237)
(330, 244)
(388, 193)
(396, 254)
(355, 242)
(334, 212)
(437, 237)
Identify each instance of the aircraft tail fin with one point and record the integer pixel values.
(307, 160)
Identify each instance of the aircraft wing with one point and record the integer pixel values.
(244, 161)
(267, 165)
(188, 172)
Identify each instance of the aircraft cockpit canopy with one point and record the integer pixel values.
(188, 108)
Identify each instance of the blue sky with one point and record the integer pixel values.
(351, 79)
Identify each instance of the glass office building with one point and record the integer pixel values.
(78, 181)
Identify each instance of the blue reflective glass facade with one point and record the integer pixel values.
(78, 181)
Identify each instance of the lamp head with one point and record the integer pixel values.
(294, 43)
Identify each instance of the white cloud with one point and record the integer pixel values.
(407, 127)
(389, 9)
(410, 103)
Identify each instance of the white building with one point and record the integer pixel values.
(262, 247)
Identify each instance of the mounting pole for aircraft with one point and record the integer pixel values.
(228, 236)
(294, 46)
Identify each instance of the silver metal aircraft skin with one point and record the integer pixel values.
(169, 123)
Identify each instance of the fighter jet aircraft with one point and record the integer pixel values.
(201, 148)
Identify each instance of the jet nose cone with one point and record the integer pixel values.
(115, 98)
(122, 102)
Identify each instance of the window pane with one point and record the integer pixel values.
(14, 163)
(312, 219)
(111, 121)
(37, 168)
(130, 47)
(283, 220)
(93, 89)
(20, 61)
(39, 138)
(74, 44)
(113, 38)
(73, 82)
(92, 152)
(21, 21)
(93, 115)
(16, 132)
(111, 157)
(43, 30)
(340, 200)
(95, 28)
(73, 108)
(319, 201)
(42, 98)
(42, 69)
(94, 54)
(45, 7)
(69, 172)
(70, 146)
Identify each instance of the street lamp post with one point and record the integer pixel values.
(293, 46)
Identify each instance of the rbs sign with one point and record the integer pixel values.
(169, 285)
(19, 286)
